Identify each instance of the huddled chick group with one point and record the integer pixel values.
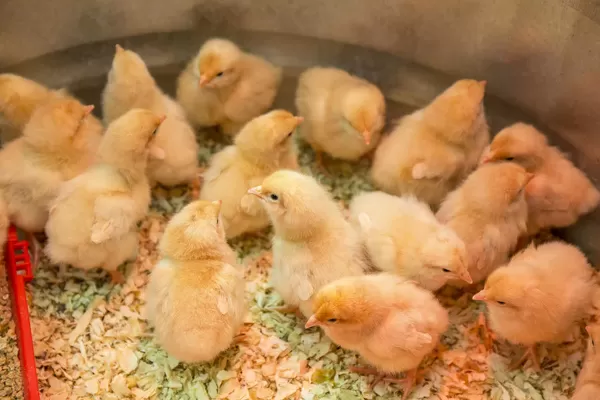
(454, 209)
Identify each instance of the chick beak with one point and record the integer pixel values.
(257, 191)
(483, 84)
(366, 136)
(87, 110)
(465, 276)
(312, 321)
(480, 296)
(487, 157)
(203, 80)
(529, 177)
(118, 49)
(218, 203)
(299, 120)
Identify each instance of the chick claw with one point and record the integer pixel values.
(531, 355)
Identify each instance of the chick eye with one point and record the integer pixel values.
(332, 320)
(273, 197)
(220, 74)
(445, 270)
(290, 134)
(501, 302)
(509, 158)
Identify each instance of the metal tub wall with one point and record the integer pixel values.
(541, 57)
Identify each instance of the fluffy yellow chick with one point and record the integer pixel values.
(195, 299)
(55, 147)
(392, 323)
(224, 86)
(560, 192)
(539, 296)
(344, 113)
(403, 236)
(489, 213)
(588, 381)
(313, 243)
(129, 86)
(20, 97)
(433, 149)
(93, 221)
(262, 147)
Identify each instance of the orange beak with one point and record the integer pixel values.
(203, 80)
(87, 110)
(480, 296)
(312, 321)
(483, 83)
(218, 203)
(299, 120)
(486, 157)
(256, 191)
(465, 276)
(118, 48)
(366, 136)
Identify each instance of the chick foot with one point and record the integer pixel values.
(35, 250)
(531, 355)
(408, 381)
(196, 185)
(116, 277)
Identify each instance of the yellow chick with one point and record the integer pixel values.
(54, 148)
(403, 236)
(588, 381)
(195, 299)
(433, 149)
(20, 97)
(560, 192)
(93, 220)
(344, 113)
(489, 213)
(224, 86)
(392, 323)
(539, 296)
(313, 243)
(262, 147)
(129, 86)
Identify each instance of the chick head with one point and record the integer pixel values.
(345, 304)
(265, 137)
(197, 228)
(56, 123)
(519, 143)
(297, 205)
(217, 64)
(363, 111)
(130, 139)
(459, 106)
(497, 187)
(445, 255)
(130, 67)
(511, 294)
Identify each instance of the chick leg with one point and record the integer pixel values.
(321, 163)
(377, 375)
(116, 277)
(196, 185)
(488, 339)
(408, 381)
(531, 355)
(35, 249)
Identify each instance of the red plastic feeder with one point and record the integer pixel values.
(19, 272)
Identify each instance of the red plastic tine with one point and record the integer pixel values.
(18, 268)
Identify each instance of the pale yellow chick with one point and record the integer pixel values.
(223, 86)
(560, 192)
(93, 221)
(195, 299)
(54, 148)
(20, 97)
(539, 296)
(129, 86)
(588, 381)
(403, 236)
(391, 322)
(344, 114)
(263, 146)
(313, 243)
(432, 150)
(489, 213)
